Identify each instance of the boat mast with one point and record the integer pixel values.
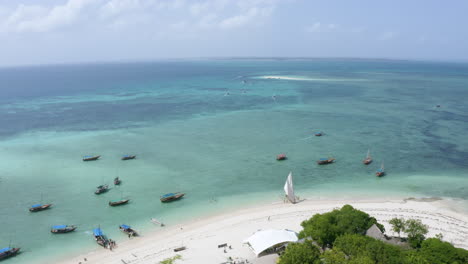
(368, 153)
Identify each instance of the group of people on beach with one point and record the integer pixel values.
(111, 244)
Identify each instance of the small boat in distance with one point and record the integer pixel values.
(60, 229)
(281, 156)
(128, 230)
(380, 172)
(169, 197)
(90, 158)
(128, 157)
(368, 159)
(8, 252)
(102, 189)
(318, 134)
(120, 202)
(39, 207)
(324, 161)
(100, 238)
(117, 181)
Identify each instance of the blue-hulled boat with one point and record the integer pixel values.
(128, 157)
(39, 207)
(91, 158)
(8, 252)
(380, 172)
(128, 230)
(324, 161)
(100, 238)
(169, 197)
(60, 229)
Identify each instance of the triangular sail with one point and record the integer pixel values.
(382, 167)
(289, 189)
(368, 153)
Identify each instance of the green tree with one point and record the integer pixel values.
(398, 225)
(300, 253)
(361, 247)
(334, 256)
(436, 251)
(361, 260)
(416, 232)
(325, 228)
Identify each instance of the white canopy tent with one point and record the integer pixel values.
(266, 239)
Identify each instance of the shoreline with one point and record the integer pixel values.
(202, 236)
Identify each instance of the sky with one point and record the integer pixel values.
(80, 31)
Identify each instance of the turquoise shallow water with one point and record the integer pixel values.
(212, 129)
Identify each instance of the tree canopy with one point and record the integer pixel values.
(300, 253)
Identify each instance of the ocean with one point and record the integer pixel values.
(212, 129)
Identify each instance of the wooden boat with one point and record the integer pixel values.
(102, 189)
(60, 229)
(169, 197)
(318, 134)
(128, 230)
(91, 158)
(281, 156)
(117, 181)
(380, 172)
(128, 157)
(120, 202)
(8, 252)
(324, 161)
(368, 158)
(100, 238)
(39, 207)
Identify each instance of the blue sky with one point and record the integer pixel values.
(67, 31)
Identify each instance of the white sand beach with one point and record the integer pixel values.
(202, 237)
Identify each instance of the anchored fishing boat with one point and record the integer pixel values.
(318, 134)
(8, 252)
(102, 189)
(39, 207)
(380, 172)
(128, 230)
(100, 238)
(120, 202)
(368, 158)
(128, 157)
(324, 161)
(289, 189)
(281, 156)
(60, 229)
(117, 181)
(169, 197)
(91, 158)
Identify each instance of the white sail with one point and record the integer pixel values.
(289, 188)
(368, 153)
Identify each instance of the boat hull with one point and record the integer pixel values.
(367, 161)
(91, 158)
(172, 198)
(119, 203)
(40, 208)
(63, 231)
(324, 162)
(129, 157)
(9, 253)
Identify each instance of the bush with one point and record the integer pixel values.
(416, 231)
(325, 228)
(300, 253)
(436, 251)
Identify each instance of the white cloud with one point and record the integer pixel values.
(388, 35)
(319, 27)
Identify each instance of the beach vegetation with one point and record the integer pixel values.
(436, 251)
(325, 228)
(300, 253)
(416, 232)
(398, 225)
(171, 260)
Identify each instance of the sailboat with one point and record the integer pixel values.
(368, 159)
(289, 189)
(380, 172)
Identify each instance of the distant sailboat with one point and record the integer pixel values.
(380, 172)
(289, 189)
(368, 159)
